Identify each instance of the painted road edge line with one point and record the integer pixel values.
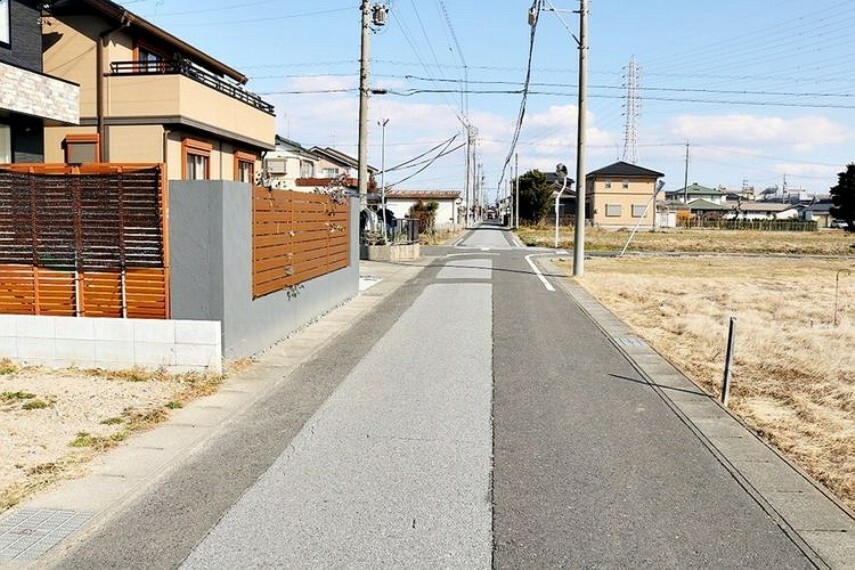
(537, 272)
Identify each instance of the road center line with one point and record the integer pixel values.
(537, 272)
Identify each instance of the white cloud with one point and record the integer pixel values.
(800, 134)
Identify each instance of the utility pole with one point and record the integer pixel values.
(383, 124)
(686, 177)
(517, 189)
(364, 70)
(466, 181)
(579, 245)
(377, 15)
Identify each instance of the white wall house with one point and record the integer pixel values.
(399, 203)
(288, 162)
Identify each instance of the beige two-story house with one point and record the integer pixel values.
(147, 96)
(620, 195)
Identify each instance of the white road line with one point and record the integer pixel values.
(537, 272)
(471, 253)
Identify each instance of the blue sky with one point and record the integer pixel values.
(759, 88)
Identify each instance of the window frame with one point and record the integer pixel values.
(86, 138)
(625, 184)
(610, 210)
(6, 27)
(242, 157)
(144, 66)
(5, 127)
(311, 165)
(193, 147)
(641, 208)
(607, 183)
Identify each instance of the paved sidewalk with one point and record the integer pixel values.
(35, 532)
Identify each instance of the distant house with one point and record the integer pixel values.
(619, 195)
(818, 212)
(147, 96)
(287, 163)
(29, 98)
(761, 211)
(694, 192)
(448, 215)
(332, 164)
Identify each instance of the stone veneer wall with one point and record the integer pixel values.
(30, 93)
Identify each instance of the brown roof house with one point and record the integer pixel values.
(620, 196)
(147, 96)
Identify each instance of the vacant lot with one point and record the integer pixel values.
(794, 375)
(53, 422)
(827, 242)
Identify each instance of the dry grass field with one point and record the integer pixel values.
(826, 242)
(794, 374)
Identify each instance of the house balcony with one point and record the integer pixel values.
(183, 93)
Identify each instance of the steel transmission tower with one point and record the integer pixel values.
(631, 112)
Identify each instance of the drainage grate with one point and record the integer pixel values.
(630, 341)
(29, 533)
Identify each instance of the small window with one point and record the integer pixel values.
(5, 25)
(5, 144)
(148, 60)
(307, 169)
(276, 166)
(197, 159)
(638, 210)
(625, 184)
(608, 184)
(244, 167)
(613, 210)
(82, 148)
(331, 172)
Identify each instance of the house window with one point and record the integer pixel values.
(638, 210)
(197, 159)
(5, 144)
(276, 166)
(613, 210)
(608, 184)
(625, 184)
(82, 148)
(331, 172)
(307, 169)
(244, 167)
(148, 59)
(5, 25)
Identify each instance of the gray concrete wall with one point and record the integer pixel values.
(211, 258)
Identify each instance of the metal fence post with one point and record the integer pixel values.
(728, 364)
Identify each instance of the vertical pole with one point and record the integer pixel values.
(728, 364)
(466, 181)
(686, 177)
(383, 124)
(364, 69)
(517, 189)
(579, 245)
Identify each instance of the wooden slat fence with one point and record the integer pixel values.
(84, 240)
(296, 236)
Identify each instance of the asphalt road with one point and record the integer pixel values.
(476, 419)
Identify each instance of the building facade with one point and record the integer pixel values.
(621, 195)
(29, 99)
(147, 96)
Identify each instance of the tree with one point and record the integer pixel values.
(535, 196)
(425, 214)
(843, 197)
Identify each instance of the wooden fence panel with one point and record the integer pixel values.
(87, 240)
(296, 236)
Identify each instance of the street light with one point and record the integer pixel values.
(560, 170)
(383, 124)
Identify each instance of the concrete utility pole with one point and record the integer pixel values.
(383, 124)
(364, 70)
(581, 183)
(686, 177)
(517, 189)
(466, 182)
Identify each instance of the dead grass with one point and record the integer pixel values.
(439, 237)
(794, 373)
(827, 242)
(53, 422)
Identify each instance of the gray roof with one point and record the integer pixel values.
(623, 169)
(695, 189)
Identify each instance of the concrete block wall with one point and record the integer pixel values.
(210, 237)
(174, 345)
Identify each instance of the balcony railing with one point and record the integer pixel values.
(188, 69)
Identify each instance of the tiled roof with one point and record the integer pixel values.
(625, 170)
(423, 194)
(696, 189)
